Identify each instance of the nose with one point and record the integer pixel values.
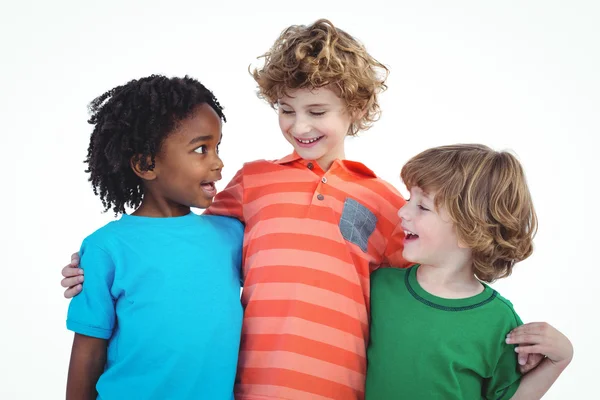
(403, 212)
(217, 164)
(300, 127)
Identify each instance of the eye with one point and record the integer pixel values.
(317, 114)
(423, 208)
(286, 111)
(201, 150)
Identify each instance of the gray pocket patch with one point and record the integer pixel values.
(357, 223)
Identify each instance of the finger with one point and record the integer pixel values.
(535, 358)
(73, 291)
(531, 328)
(72, 281)
(75, 259)
(522, 358)
(69, 271)
(530, 349)
(524, 339)
(526, 368)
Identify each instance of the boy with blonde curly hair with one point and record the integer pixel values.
(437, 330)
(316, 224)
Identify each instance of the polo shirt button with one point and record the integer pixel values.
(324, 180)
(320, 197)
(309, 165)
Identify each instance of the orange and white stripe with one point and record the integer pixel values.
(306, 288)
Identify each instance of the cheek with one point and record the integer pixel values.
(284, 123)
(336, 127)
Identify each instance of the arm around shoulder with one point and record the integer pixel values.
(540, 338)
(230, 201)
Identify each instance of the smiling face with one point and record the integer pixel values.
(188, 163)
(430, 235)
(316, 123)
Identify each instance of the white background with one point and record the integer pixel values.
(520, 75)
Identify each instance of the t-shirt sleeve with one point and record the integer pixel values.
(392, 256)
(92, 312)
(393, 251)
(506, 378)
(237, 236)
(230, 201)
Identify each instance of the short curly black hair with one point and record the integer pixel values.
(132, 120)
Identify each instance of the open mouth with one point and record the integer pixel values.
(308, 142)
(209, 188)
(410, 235)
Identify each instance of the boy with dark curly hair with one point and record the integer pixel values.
(160, 315)
(437, 330)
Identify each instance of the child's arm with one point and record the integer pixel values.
(542, 338)
(230, 201)
(88, 358)
(392, 256)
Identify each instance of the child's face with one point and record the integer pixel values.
(430, 235)
(315, 122)
(188, 163)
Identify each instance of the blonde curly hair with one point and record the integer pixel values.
(321, 55)
(486, 196)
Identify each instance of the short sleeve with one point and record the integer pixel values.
(393, 251)
(230, 201)
(392, 256)
(506, 378)
(236, 232)
(92, 312)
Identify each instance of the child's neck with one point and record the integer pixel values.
(453, 280)
(328, 159)
(160, 208)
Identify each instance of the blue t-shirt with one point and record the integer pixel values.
(165, 292)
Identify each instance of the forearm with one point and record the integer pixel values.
(88, 359)
(537, 382)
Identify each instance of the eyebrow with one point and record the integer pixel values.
(200, 139)
(282, 103)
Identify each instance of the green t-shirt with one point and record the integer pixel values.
(426, 347)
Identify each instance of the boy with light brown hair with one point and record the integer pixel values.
(438, 331)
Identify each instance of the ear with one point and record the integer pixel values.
(358, 114)
(145, 174)
(460, 242)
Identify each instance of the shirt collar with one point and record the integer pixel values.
(351, 166)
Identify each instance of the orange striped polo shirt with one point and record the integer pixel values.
(311, 239)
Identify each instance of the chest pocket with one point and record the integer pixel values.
(357, 223)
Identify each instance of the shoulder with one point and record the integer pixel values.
(388, 191)
(363, 176)
(259, 166)
(103, 237)
(390, 276)
(228, 226)
(504, 311)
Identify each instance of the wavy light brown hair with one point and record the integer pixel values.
(321, 55)
(486, 196)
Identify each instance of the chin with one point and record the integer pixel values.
(309, 154)
(411, 258)
(202, 204)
